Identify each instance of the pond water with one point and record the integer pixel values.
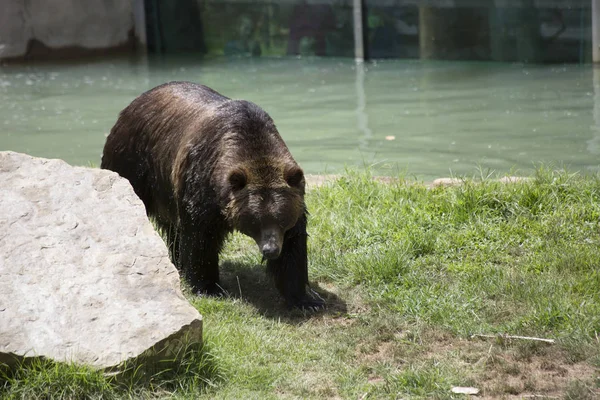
(421, 119)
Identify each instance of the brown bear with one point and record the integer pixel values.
(205, 165)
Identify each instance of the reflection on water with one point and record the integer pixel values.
(446, 117)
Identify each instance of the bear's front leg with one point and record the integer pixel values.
(199, 245)
(290, 270)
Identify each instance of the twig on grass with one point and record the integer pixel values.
(551, 341)
(239, 287)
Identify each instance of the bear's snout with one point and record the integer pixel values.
(270, 243)
(271, 251)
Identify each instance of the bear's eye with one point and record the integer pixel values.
(294, 176)
(237, 179)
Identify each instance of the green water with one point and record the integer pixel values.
(446, 117)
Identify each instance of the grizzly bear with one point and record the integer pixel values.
(205, 165)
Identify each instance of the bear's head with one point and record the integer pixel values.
(265, 199)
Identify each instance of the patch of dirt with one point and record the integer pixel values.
(507, 370)
(319, 385)
(546, 375)
(514, 369)
(382, 352)
(342, 322)
(375, 380)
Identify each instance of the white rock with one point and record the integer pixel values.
(84, 277)
(447, 182)
(465, 390)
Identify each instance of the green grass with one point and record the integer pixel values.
(409, 273)
(192, 371)
(483, 257)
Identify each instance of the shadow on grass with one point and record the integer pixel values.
(252, 284)
(191, 371)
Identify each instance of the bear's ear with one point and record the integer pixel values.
(294, 176)
(237, 179)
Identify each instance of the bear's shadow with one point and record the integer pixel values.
(251, 283)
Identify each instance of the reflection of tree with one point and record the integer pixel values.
(244, 44)
(277, 28)
(593, 145)
(234, 28)
(515, 33)
(309, 26)
(361, 107)
(383, 37)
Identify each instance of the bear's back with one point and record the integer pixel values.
(191, 92)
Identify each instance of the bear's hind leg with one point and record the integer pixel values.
(172, 240)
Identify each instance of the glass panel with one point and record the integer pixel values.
(500, 30)
(540, 34)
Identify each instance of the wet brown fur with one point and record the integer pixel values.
(205, 165)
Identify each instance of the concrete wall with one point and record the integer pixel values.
(30, 26)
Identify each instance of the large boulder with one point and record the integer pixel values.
(84, 277)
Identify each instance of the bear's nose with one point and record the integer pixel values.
(270, 251)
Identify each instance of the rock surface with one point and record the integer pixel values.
(91, 24)
(84, 277)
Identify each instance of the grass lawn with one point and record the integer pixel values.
(410, 274)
